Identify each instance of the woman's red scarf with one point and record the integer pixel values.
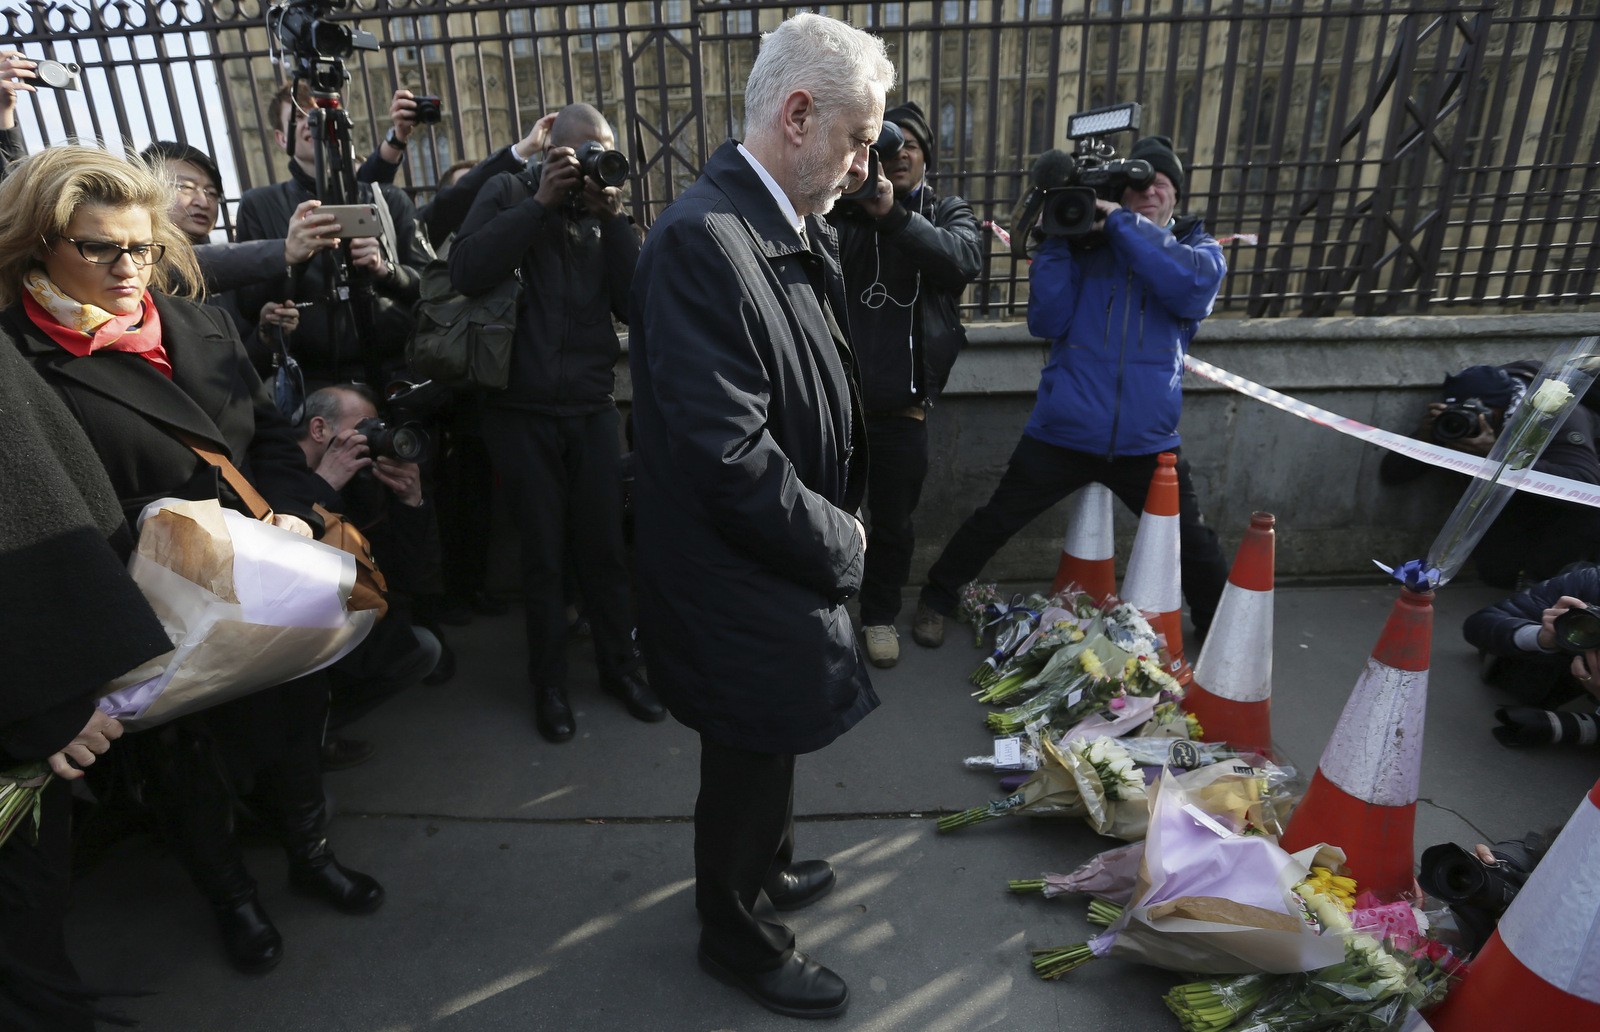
(138, 332)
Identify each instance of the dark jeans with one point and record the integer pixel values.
(897, 457)
(1039, 476)
(465, 483)
(743, 839)
(1534, 538)
(563, 476)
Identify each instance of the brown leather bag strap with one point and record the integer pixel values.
(247, 493)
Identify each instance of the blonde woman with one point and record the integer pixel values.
(86, 258)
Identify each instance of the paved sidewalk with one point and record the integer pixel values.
(537, 887)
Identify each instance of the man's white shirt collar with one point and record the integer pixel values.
(778, 195)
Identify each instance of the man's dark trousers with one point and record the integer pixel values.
(1039, 476)
(563, 476)
(743, 840)
(897, 464)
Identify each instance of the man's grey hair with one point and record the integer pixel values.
(835, 63)
(328, 402)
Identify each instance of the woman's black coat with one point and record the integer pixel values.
(126, 406)
(744, 426)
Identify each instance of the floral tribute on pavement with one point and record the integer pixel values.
(1092, 728)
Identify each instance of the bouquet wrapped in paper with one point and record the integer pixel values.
(1094, 780)
(246, 604)
(1210, 899)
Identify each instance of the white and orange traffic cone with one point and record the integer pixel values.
(1154, 581)
(1231, 694)
(1363, 797)
(1089, 554)
(1541, 967)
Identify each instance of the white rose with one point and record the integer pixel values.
(1550, 397)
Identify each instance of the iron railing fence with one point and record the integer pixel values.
(1360, 156)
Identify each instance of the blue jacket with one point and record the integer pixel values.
(1119, 318)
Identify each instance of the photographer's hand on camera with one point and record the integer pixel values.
(309, 233)
(883, 203)
(285, 316)
(14, 70)
(558, 177)
(346, 456)
(603, 202)
(403, 478)
(403, 114)
(1547, 620)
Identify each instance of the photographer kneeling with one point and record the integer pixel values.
(1544, 645)
(362, 464)
(1535, 537)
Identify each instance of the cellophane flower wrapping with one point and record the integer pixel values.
(1213, 901)
(1529, 427)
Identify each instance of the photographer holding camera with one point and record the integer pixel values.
(1534, 537)
(553, 432)
(391, 264)
(907, 255)
(362, 464)
(1543, 645)
(1119, 306)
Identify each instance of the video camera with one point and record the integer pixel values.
(889, 144)
(305, 30)
(1065, 187)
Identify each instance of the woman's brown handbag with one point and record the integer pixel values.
(370, 588)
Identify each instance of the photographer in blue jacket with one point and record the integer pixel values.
(1119, 306)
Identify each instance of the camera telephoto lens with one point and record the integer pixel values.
(1577, 631)
(1454, 425)
(1461, 879)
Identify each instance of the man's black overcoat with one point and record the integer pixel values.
(743, 428)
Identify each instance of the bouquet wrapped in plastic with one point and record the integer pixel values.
(1094, 780)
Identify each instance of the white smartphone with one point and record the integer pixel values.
(354, 220)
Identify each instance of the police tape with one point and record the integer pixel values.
(1529, 480)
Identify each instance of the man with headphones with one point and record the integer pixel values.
(907, 256)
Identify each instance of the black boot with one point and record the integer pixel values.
(553, 714)
(314, 872)
(253, 944)
(637, 695)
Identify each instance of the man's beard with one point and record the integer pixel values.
(816, 183)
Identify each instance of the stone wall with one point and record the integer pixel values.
(1333, 515)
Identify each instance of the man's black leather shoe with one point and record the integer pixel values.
(797, 988)
(801, 885)
(344, 753)
(553, 714)
(325, 878)
(253, 944)
(637, 695)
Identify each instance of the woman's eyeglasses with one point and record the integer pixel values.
(188, 189)
(104, 252)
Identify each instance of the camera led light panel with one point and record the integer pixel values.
(1103, 121)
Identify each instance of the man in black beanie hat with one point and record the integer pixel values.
(1119, 307)
(907, 256)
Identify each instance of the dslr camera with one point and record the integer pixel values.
(1064, 187)
(404, 442)
(889, 144)
(1459, 419)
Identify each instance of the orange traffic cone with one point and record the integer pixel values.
(1231, 694)
(1154, 583)
(1364, 795)
(1088, 556)
(1541, 967)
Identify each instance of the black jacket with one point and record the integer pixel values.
(326, 353)
(928, 248)
(745, 485)
(575, 276)
(125, 405)
(73, 619)
(1494, 628)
